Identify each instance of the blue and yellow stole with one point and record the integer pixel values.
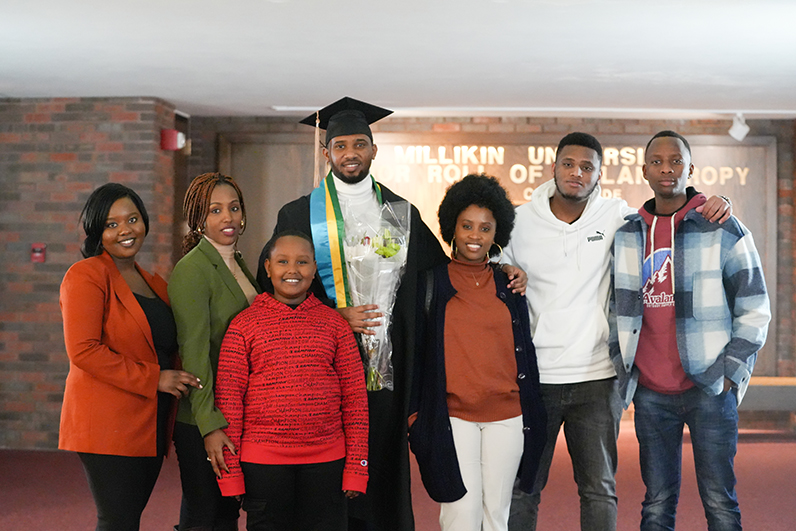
(328, 235)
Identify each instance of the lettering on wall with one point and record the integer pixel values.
(622, 167)
(422, 170)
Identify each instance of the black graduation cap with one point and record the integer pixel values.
(347, 116)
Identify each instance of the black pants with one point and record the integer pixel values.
(306, 497)
(202, 506)
(121, 487)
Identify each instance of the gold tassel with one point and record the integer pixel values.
(317, 166)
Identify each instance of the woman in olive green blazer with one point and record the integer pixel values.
(208, 287)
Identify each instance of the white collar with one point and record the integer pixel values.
(361, 190)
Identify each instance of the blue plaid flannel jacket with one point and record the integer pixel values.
(721, 303)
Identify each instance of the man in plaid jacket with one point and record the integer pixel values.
(690, 312)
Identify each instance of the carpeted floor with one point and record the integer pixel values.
(48, 491)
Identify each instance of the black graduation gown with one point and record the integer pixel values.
(388, 503)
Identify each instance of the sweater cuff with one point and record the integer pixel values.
(232, 486)
(355, 481)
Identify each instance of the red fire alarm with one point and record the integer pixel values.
(171, 140)
(38, 252)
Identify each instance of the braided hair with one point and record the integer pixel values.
(196, 206)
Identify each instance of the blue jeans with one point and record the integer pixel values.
(590, 413)
(713, 424)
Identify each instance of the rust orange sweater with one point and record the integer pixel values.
(480, 365)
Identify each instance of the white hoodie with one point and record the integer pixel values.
(568, 267)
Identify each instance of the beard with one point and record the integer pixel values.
(353, 179)
(576, 197)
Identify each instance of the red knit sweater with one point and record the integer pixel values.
(291, 385)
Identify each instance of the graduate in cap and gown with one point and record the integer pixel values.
(349, 186)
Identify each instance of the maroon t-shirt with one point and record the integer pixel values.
(657, 356)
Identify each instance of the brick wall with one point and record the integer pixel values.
(205, 132)
(53, 153)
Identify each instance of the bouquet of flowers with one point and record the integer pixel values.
(375, 252)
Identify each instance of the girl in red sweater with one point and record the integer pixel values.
(291, 385)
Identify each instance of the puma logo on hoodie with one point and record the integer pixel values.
(600, 235)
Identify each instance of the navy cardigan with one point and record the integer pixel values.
(430, 437)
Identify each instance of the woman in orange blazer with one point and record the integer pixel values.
(121, 341)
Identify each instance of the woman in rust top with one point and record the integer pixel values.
(122, 347)
(478, 417)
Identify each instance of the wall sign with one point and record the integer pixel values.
(421, 167)
(422, 170)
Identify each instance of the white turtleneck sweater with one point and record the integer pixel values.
(358, 203)
(227, 253)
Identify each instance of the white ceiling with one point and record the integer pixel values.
(441, 57)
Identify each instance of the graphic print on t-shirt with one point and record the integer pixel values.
(657, 276)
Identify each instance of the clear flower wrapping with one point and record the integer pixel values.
(375, 252)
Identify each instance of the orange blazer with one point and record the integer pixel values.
(110, 400)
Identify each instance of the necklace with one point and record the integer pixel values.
(479, 279)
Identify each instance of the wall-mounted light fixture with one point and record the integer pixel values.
(739, 129)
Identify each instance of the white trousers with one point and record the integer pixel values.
(489, 456)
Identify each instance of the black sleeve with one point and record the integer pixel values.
(425, 292)
(430, 253)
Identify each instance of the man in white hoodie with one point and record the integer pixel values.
(562, 239)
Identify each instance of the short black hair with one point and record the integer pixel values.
(483, 191)
(670, 134)
(582, 139)
(95, 214)
(269, 246)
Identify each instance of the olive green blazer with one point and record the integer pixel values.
(204, 298)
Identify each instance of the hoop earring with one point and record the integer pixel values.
(500, 257)
(454, 250)
(242, 226)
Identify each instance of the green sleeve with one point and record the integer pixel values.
(190, 291)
